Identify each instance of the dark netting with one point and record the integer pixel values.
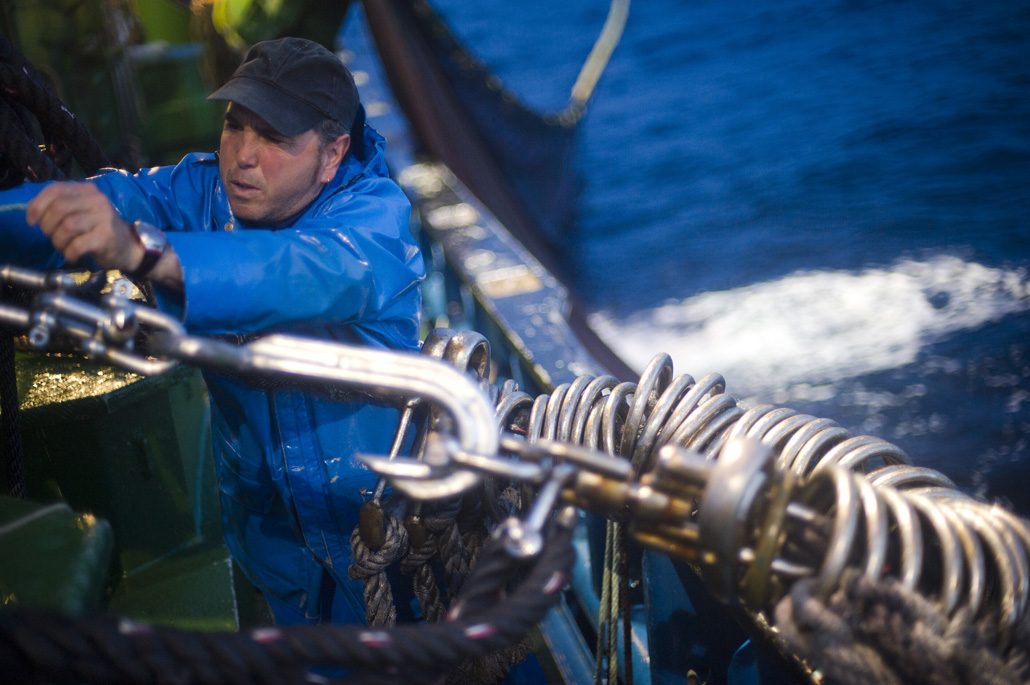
(534, 150)
(518, 162)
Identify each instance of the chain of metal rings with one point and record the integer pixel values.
(885, 517)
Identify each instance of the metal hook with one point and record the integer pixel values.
(524, 539)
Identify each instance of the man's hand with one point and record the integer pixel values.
(80, 221)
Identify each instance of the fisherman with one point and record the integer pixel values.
(292, 227)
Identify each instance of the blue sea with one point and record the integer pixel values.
(826, 202)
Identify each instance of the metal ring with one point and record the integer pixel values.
(653, 381)
(643, 458)
(591, 398)
(613, 418)
(569, 407)
(798, 439)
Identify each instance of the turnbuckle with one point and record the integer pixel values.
(105, 331)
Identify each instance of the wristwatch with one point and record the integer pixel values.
(154, 245)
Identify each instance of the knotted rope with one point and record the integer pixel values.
(422, 549)
(369, 565)
(441, 522)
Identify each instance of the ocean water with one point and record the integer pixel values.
(826, 202)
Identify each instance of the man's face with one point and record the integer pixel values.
(268, 177)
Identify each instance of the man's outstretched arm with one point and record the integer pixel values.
(81, 222)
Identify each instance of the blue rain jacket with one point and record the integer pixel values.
(347, 269)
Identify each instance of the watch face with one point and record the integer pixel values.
(153, 240)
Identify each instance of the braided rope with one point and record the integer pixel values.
(441, 522)
(456, 561)
(370, 565)
(416, 564)
(38, 646)
(606, 667)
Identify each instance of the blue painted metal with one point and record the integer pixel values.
(681, 631)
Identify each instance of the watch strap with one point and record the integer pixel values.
(151, 252)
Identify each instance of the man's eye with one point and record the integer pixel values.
(232, 125)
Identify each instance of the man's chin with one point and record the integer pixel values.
(244, 211)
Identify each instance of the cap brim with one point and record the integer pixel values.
(284, 113)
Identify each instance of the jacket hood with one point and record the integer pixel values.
(367, 158)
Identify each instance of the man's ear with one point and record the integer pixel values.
(334, 153)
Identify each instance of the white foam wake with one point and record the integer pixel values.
(811, 329)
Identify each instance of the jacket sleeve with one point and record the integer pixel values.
(146, 195)
(352, 260)
(20, 243)
(173, 198)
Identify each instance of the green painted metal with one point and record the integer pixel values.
(134, 452)
(138, 456)
(53, 557)
(192, 590)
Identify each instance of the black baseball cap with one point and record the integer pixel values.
(293, 84)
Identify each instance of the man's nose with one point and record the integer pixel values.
(247, 152)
